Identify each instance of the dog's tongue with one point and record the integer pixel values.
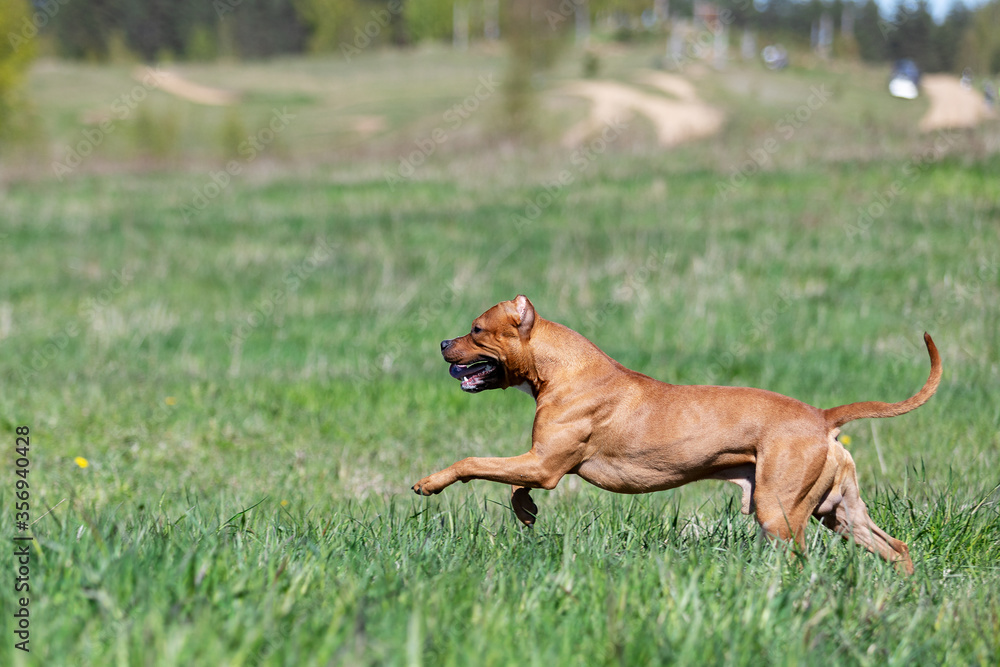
(458, 371)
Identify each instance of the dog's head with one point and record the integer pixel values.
(495, 354)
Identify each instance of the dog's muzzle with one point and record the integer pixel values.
(476, 375)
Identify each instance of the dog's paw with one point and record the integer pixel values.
(524, 507)
(425, 487)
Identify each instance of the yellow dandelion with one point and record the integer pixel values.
(170, 400)
(845, 440)
(82, 462)
(284, 503)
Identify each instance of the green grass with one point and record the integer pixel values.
(249, 504)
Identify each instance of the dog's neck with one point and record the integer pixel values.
(558, 352)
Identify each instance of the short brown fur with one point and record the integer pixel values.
(626, 432)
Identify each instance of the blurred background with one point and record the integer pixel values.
(233, 233)
(87, 86)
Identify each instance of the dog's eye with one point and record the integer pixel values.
(477, 329)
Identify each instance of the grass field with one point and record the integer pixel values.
(256, 385)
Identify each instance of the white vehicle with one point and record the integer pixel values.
(905, 80)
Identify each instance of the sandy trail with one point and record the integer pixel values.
(952, 106)
(193, 92)
(675, 120)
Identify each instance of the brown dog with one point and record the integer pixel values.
(626, 432)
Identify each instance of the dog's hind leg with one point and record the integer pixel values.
(849, 517)
(789, 484)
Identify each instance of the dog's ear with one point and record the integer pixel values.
(525, 315)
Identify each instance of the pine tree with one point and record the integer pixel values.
(871, 32)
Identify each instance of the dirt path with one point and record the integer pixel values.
(683, 118)
(175, 84)
(952, 106)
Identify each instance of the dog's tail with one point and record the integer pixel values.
(842, 414)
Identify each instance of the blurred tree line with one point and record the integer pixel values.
(208, 29)
(965, 38)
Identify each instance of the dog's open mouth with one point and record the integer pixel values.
(475, 376)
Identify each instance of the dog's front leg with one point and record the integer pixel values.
(527, 470)
(524, 507)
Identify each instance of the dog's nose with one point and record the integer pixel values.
(445, 344)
